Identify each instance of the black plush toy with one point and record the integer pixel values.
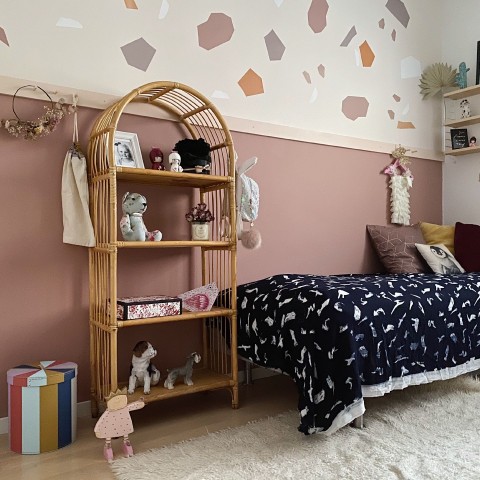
(195, 155)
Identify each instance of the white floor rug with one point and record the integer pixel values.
(429, 432)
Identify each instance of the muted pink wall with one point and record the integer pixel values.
(315, 203)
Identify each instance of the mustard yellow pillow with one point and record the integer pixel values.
(433, 234)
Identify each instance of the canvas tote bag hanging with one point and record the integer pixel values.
(77, 224)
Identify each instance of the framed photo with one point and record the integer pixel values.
(459, 138)
(477, 77)
(127, 150)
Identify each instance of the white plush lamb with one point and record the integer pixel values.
(131, 225)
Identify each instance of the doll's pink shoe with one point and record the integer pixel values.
(127, 449)
(108, 454)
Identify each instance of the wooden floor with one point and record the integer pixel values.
(160, 423)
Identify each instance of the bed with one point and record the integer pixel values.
(345, 337)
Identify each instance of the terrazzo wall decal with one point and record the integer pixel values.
(138, 54)
(275, 47)
(317, 15)
(406, 109)
(307, 77)
(68, 23)
(403, 125)
(278, 3)
(220, 94)
(348, 38)
(131, 4)
(3, 37)
(396, 97)
(367, 54)
(394, 35)
(381, 23)
(216, 30)
(398, 9)
(251, 83)
(321, 70)
(410, 67)
(313, 96)
(355, 107)
(391, 114)
(164, 7)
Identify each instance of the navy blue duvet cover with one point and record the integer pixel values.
(343, 337)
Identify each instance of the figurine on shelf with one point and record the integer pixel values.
(465, 108)
(461, 76)
(473, 142)
(142, 371)
(116, 421)
(185, 371)
(156, 157)
(174, 159)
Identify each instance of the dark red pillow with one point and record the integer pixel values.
(467, 246)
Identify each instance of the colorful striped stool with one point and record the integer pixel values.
(42, 406)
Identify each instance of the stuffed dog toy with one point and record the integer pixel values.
(142, 371)
(185, 371)
(131, 224)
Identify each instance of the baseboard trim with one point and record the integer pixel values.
(83, 408)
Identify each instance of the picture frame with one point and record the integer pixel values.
(127, 150)
(459, 138)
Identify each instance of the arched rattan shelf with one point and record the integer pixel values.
(200, 119)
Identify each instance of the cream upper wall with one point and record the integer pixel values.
(90, 58)
(461, 175)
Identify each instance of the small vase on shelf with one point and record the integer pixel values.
(200, 230)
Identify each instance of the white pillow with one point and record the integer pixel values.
(439, 258)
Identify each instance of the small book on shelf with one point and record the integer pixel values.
(459, 138)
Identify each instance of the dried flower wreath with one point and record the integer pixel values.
(200, 213)
(33, 129)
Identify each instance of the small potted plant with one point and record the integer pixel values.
(199, 217)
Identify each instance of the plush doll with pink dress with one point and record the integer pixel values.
(116, 422)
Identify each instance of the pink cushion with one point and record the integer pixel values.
(467, 246)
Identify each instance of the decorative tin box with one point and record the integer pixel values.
(132, 308)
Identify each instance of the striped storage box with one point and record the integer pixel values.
(42, 406)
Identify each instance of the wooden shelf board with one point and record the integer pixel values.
(167, 178)
(462, 151)
(463, 122)
(463, 92)
(214, 312)
(203, 380)
(174, 244)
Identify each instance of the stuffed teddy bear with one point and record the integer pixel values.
(131, 224)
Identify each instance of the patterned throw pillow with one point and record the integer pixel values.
(395, 247)
(439, 258)
(433, 233)
(467, 246)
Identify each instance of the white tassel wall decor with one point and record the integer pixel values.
(401, 180)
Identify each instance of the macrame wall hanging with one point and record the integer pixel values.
(401, 180)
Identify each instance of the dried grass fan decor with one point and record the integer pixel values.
(435, 77)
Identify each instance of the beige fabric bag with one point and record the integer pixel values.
(77, 224)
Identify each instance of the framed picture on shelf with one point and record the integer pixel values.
(477, 76)
(459, 138)
(127, 150)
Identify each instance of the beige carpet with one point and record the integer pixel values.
(428, 432)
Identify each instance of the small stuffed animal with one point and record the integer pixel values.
(142, 370)
(156, 157)
(174, 160)
(185, 371)
(131, 224)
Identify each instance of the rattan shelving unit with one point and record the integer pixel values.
(201, 119)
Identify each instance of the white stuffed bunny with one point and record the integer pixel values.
(131, 224)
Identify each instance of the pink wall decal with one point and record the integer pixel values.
(321, 70)
(138, 54)
(317, 15)
(381, 23)
(355, 107)
(396, 97)
(275, 47)
(216, 30)
(391, 114)
(251, 83)
(346, 41)
(398, 9)
(307, 77)
(394, 35)
(3, 37)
